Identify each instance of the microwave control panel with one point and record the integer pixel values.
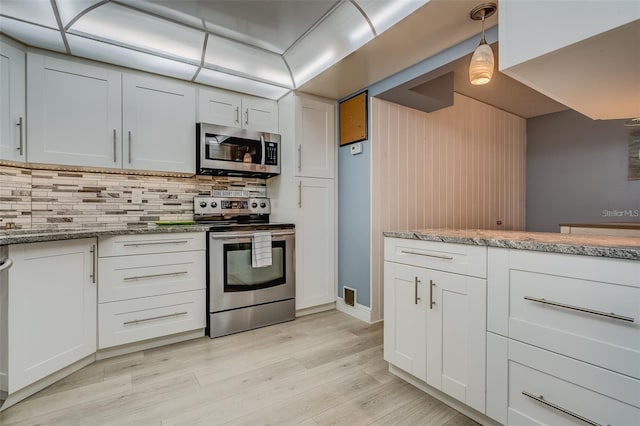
(271, 154)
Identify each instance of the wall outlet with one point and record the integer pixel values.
(136, 196)
(356, 148)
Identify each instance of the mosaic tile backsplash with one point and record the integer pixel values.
(32, 198)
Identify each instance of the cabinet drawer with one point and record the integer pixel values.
(458, 258)
(121, 245)
(128, 277)
(134, 320)
(543, 384)
(593, 321)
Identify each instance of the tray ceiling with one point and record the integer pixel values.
(265, 48)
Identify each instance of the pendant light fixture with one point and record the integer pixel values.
(481, 66)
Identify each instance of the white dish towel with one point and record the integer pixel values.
(261, 250)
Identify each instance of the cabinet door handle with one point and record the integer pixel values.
(238, 114)
(177, 314)
(167, 274)
(437, 256)
(416, 281)
(6, 264)
(155, 243)
(93, 264)
(247, 116)
(541, 400)
(115, 159)
(300, 194)
(20, 146)
(580, 309)
(129, 146)
(431, 301)
(299, 158)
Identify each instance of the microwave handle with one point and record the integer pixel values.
(264, 153)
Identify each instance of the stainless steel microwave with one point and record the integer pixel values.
(228, 151)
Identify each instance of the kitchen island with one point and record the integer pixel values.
(516, 327)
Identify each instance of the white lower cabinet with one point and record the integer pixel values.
(435, 321)
(51, 308)
(150, 286)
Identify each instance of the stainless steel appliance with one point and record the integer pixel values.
(5, 264)
(236, 152)
(239, 296)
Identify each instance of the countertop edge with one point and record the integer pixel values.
(581, 248)
(43, 235)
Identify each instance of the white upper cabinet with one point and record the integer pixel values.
(587, 61)
(12, 103)
(74, 113)
(234, 110)
(159, 118)
(315, 138)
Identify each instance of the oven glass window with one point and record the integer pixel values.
(239, 275)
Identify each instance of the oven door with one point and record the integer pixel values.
(234, 283)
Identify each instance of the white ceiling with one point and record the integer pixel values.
(265, 48)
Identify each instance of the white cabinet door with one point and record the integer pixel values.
(260, 114)
(405, 318)
(52, 308)
(12, 103)
(315, 138)
(219, 107)
(74, 113)
(456, 336)
(315, 243)
(158, 124)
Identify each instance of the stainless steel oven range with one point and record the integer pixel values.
(240, 296)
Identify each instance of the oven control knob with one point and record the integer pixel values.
(254, 205)
(263, 205)
(214, 204)
(203, 204)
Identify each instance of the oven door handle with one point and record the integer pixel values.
(226, 236)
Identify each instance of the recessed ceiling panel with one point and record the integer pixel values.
(342, 32)
(69, 9)
(384, 14)
(36, 11)
(240, 84)
(104, 52)
(32, 35)
(133, 28)
(247, 60)
(271, 25)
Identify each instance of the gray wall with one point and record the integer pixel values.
(576, 169)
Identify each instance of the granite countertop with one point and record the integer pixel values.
(609, 225)
(586, 245)
(35, 235)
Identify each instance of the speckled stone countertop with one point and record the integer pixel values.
(585, 245)
(36, 235)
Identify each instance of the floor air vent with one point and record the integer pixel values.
(349, 296)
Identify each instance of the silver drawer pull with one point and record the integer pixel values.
(177, 314)
(155, 243)
(577, 308)
(6, 264)
(168, 274)
(541, 400)
(437, 256)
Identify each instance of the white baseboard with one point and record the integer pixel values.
(315, 309)
(148, 344)
(361, 312)
(443, 397)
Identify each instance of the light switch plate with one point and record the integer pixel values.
(356, 148)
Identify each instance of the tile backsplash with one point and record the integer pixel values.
(34, 198)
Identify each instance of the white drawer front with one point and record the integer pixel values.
(122, 245)
(457, 258)
(128, 277)
(597, 395)
(586, 320)
(134, 320)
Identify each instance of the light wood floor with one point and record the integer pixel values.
(320, 369)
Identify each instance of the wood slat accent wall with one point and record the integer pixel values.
(459, 167)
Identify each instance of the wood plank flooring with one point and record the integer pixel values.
(322, 369)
